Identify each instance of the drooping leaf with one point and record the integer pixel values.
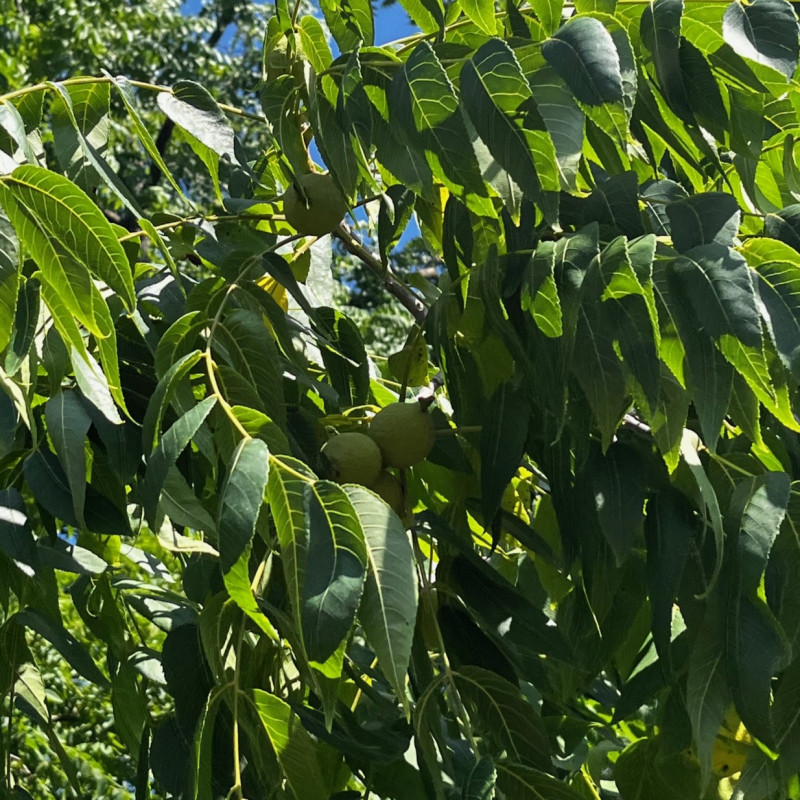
(500, 714)
(519, 782)
(755, 651)
(241, 499)
(707, 692)
(70, 648)
(169, 447)
(669, 528)
(502, 441)
(251, 351)
(16, 537)
(764, 511)
(644, 769)
(480, 783)
(619, 493)
(286, 494)
(295, 749)
(9, 278)
(336, 563)
(68, 423)
(389, 606)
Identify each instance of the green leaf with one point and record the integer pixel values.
(786, 716)
(332, 140)
(204, 741)
(764, 31)
(296, 751)
(563, 119)
(26, 321)
(619, 488)
(286, 494)
(13, 136)
(518, 782)
(167, 387)
(777, 267)
(95, 384)
(708, 218)
(505, 721)
(755, 651)
(67, 424)
(122, 85)
(314, 42)
(669, 527)
(336, 565)
(540, 293)
(598, 371)
(90, 153)
(426, 110)
(9, 278)
(388, 609)
(481, 12)
(480, 783)
(237, 582)
(646, 769)
(71, 240)
(500, 103)
(427, 14)
(784, 225)
(277, 101)
(703, 91)
(350, 22)
(183, 508)
(707, 693)
(251, 351)
(505, 428)
(170, 446)
(241, 499)
(716, 283)
(345, 357)
(583, 53)
(89, 108)
(210, 135)
(76, 655)
(660, 29)
(764, 511)
(548, 13)
(16, 537)
(690, 445)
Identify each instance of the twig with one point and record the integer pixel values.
(407, 298)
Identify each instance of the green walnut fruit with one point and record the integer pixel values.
(404, 432)
(389, 489)
(323, 209)
(352, 458)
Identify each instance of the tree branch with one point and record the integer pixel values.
(397, 288)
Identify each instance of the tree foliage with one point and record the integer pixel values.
(588, 588)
